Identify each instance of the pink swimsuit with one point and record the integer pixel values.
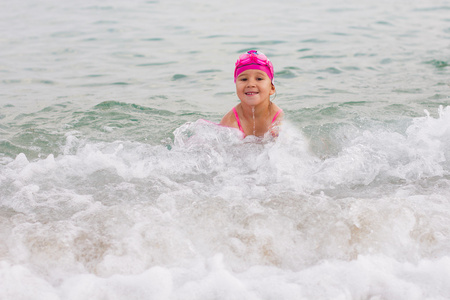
(239, 121)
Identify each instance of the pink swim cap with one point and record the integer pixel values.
(253, 60)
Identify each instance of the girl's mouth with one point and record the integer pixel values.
(251, 93)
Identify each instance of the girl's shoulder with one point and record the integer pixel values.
(277, 112)
(275, 107)
(229, 120)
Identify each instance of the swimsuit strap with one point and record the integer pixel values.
(276, 115)
(237, 119)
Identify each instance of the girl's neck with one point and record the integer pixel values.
(257, 111)
(256, 119)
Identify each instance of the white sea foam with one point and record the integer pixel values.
(214, 216)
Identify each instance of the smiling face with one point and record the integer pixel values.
(254, 87)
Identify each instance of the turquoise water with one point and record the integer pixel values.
(112, 185)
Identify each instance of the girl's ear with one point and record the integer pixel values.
(272, 89)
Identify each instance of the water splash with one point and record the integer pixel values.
(254, 123)
(126, 210)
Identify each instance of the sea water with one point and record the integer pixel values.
(115, 183)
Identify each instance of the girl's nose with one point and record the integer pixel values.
(251, 82)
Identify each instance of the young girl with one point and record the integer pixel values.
(256, 114)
